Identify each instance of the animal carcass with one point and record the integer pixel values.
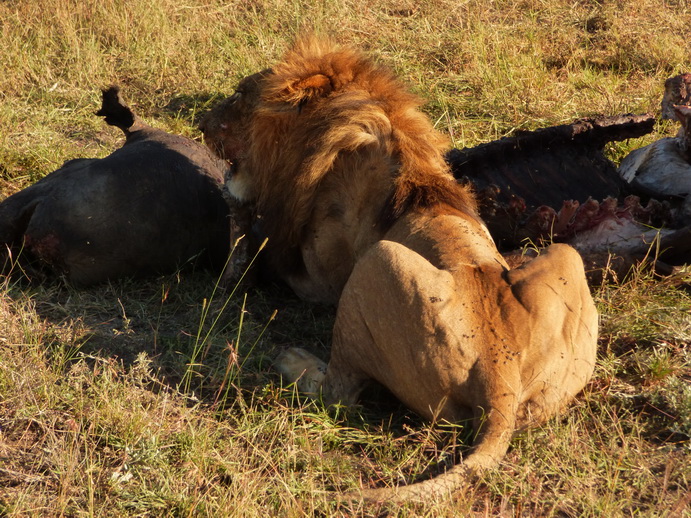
(523, 181)
(544, 186)
(149, 207)
(663, 168)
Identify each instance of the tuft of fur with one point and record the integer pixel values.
(115, 111)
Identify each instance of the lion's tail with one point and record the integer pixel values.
(490, 448)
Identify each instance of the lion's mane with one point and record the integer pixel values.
(332, 102)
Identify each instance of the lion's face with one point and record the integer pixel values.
(226, 130)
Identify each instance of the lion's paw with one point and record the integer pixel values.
(302, 368)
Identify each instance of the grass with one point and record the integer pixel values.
(157, 398)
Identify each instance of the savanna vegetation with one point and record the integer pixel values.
(157, 397)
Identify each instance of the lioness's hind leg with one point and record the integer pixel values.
(302, 368)
(340, 384)
(564, 321)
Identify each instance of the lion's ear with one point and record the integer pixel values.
(303, 90)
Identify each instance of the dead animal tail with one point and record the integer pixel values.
(115, 111)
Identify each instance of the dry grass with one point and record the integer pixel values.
(158, 399)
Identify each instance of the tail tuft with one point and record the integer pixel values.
(115, 111)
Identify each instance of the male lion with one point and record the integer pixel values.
(350, 183)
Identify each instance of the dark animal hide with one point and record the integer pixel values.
(149, 207)
(544, 186)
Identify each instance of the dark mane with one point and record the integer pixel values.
(438, 191)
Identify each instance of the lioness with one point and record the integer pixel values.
(360, 208)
